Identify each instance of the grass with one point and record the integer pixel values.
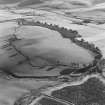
(51, 45)
(44, 47)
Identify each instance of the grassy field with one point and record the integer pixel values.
(50, 43)
(38, 42)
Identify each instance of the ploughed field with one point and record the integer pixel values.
(38, 48)
(90, 92)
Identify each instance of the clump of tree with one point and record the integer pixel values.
(87, 21)
(66, 33)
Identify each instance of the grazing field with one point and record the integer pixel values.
(42, 46)
(11, 90)
(50, 43)
(39, 42)
(46, 47)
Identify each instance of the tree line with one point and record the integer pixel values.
(73, 35)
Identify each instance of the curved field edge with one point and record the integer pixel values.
(73, 36)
